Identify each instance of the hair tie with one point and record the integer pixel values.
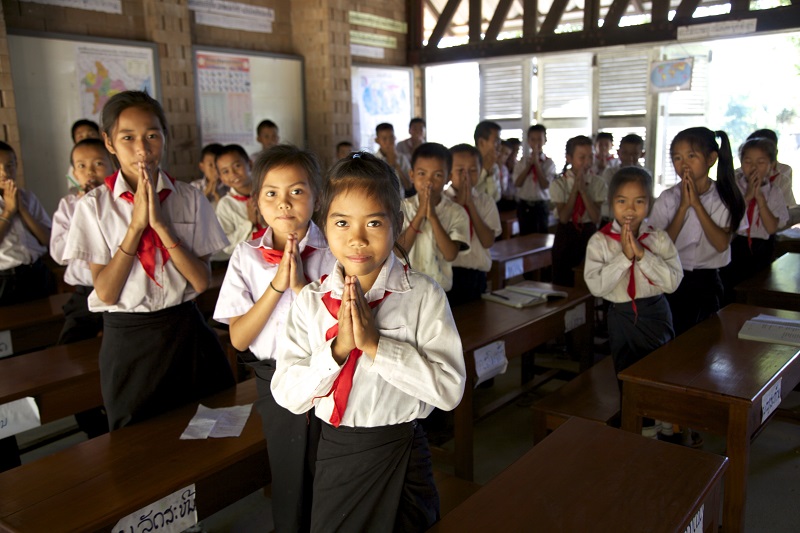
(356, 155)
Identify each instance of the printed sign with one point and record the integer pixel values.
(6, 348)
(515, 267)
(771, 400)
(575, 317)
(372, 39)
(103, 6)
(18, 416)
(490, 361)
(696, 524)
(716, 29)
(374, 21)
(171, 514)
(362, 50)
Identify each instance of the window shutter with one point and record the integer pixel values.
(567, 88)
(501, 91)
(623, 84)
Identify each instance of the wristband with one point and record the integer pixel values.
(124, 252)
(274, 289)
(415, 229)
(178, 243)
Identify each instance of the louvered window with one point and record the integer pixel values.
(694, 101)
(501, 91)
(623, 84)
(566, 87)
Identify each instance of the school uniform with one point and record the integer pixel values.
(201, 183)
(291, 438)
(231, 212)
(404, 164)
(425, 254)
(639, 317)
(470, 266)
(23, 274)
(157, 350)
(700, 292)
(785, 183)
(571, 238)
(600, 165)
(405, 148)
(533, 202)
(373, 465)
(753, 247)
(489, 183)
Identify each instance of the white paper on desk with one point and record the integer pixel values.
(6, 348)
(490, 360)
(171, 514)
(217, 423)
(18, 416)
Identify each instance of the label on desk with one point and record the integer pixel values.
(490, 361)
(696, 524)
(172, 514)
(515, 227)
(6, 348)
(514, 267)
(575, 317)
(18, 416)
(771, 400)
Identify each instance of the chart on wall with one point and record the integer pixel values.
(236, 90)
(104, 71)
(380, 95)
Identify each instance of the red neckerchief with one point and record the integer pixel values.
(751, 213)
(274, 256)
(150, 241)
(578, 210)
(607, 231)
(774, 177)
(239, 197)
(259, 232)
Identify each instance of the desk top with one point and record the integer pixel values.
(592, 477)
(33, 313)
(521, 245)
(711, 359)
(782, 276)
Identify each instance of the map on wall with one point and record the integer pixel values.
(104, 71)
(380, 95)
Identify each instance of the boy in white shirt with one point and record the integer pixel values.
(384, 136)
(631, 151)
(209, 184)
(267, 135)
(603, 158)
(487, 141)
(235, 212)
(532, 177)
(416, 130)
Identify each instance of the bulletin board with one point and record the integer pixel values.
(59, 79)
(238, 89)
(380, 94)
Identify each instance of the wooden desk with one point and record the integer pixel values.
(708, 379)
(509, 223)
(482, 322)
(521, 254)
(92, 485)
(589, 477)
(35, 324)
(63, 379)
(777, 286)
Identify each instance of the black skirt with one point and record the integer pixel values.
(633, 336)
(153, 362)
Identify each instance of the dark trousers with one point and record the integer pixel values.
(569, 250)
(468, 285)
(533, 217)
(698, 296)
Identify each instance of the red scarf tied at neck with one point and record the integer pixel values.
(608, 232)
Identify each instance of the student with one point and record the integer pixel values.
(753, 248)
(577, 195)
(384, 136)
(92, 163)
(434, 228)
(514, 144)
(263, 279)
(235, 211)
(631, 151)
(343, 149)
(374, 348)
(507, 189)
(147, 239)
(487, 141)
(603, 158)
(532, 178)
(209, 183)
(470, 266)
(416, 130)
(267, 135)
(784, 172)
(700, 215)
(632, 265)
(81, 129)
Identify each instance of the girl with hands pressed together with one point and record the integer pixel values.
(373, 348)
(147, 239)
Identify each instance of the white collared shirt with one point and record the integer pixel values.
(425, 255)
(101, 221)
(786, 184)
(478, 257)
(607, 270)
(78, 271)
(232, 216)
(405, 167)
(489, 183)
(249, 275)
(19, 246)
(561, 188)
(776, 203)
(419, 363)
(530, 190)
(694, 248)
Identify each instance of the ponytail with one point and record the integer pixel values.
(726, 182)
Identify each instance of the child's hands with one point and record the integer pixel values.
(634, 244)
(753, 187)
(154, 212)
(625, 241)
(365, 333)
(297, 277)
(344, 342)
(687, 189)
(464, 195)
(424, 194)
(283, 276)
(141, 200)
(11, 197)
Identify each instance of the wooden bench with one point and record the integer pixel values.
(514, 257)
(777, 286)
(593, 395)
(94, 484)
(34, 325)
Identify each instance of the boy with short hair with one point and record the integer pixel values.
(532, 177)
(267, 135)
(631, 150)
(603, 159)
(209, 183)
(384, 136)
(470, 266)
(235, 211)
(416, 130)
(487, 141)
(435, 229)
(343, 149)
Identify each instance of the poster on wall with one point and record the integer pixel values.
(104, 71)
(380, 95)
(225, 92)
(673, 75)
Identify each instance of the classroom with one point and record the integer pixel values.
(557, 367)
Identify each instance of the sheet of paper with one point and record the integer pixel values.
(6, 348)
(575, 317)
(771, 400)
(490, 361)
(172, 514)
(18, 416)
(515, 267)
(217, 423)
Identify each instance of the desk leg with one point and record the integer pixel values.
(497, 276)
(463, 445)
(631, 421)
(738, 444)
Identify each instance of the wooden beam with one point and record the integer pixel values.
(553, 17)
(530, 18)
(740, 6)
(416, 30)
(443, 23)
(432, 7)
(686, 10)
(475, 20)
(614, 14)
(499, 17)
(660, 11)
(637, 7)
(591, 14)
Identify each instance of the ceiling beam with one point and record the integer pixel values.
(498, 19)
(443, 23)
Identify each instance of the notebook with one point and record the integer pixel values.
(530, 288)
(523, 294)
(768, 328)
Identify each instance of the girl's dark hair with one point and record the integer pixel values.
(122, 101)
(580, 140)
(631, 175)
(703, 140)
(97, 143)
(84, 122)
(286, 155)
(364, 171)
(761, 143)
